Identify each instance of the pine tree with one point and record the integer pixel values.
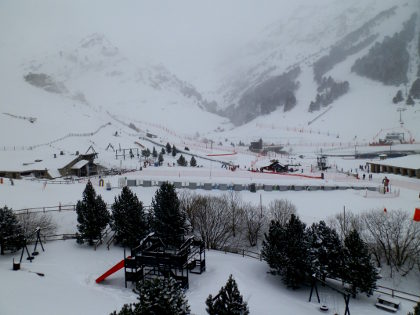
(181, 161)
(174, 151)
(154, 153)
(168, 219)
(416, 310)
(358, 271)
(168, 148)
(127, 309)
(193, 162)
(285, 249)
(11, 232)
(410, 100)
(161, 296)
(157, 297)
(229, 301)
(160, 158)
(128, 219)
(146, 153)
(92, 215)
(398, 97)
(163, 151)
(325, 251)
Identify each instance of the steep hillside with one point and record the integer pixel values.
(78, 89)
(329, 44)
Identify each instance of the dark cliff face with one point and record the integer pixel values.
(265, 98)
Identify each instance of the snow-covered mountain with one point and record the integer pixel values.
(94, 80)
(330, 66)
(274, 73)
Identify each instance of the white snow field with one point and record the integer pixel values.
(69, 287)
(108, 73)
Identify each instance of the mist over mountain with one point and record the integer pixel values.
(213, 66)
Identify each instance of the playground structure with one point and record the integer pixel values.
(276, 167)
(152, 258)
(324, 307)
(155, 259)
(30, 256)
(321, 162)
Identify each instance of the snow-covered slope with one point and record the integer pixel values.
(75, 84)
(322, 40)
(79, 89)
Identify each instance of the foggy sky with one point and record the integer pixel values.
(190, 37)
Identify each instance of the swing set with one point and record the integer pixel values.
(324, 307)
(30, 256)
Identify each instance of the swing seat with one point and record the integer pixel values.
(35, 253)
(30, 258)
(323, 307)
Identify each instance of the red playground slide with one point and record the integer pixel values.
(114, 269)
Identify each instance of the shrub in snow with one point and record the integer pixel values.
(11, 233)
(228, 301)
(169, 221)
(128, 219)
(92, 216)
(285, 249)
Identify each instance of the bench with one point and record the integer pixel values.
(386, 307)
(387, 303)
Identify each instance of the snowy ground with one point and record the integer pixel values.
(69, 287)
(70, 270)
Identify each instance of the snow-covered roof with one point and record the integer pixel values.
(409, 161)
(20, 161)
(79, 164)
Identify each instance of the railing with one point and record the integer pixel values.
(58, 237)
(398, 294)
(380, 289)
(58, 208)
(103, 235)
(242, 251)
(45, 209)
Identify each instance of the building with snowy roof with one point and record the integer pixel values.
(407, 166)
(18, 164)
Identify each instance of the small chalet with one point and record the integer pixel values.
(81, 166)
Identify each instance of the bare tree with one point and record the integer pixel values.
(212, 221)
(396, 236)
(188, 202)
(234, 201)
(255, 222)
(31, 221)
(281, 210)
(345, 222)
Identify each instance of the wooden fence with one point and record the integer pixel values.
(398, 294)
